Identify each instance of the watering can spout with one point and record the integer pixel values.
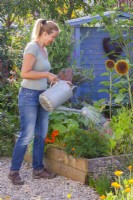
(62, 108)
(83, 111)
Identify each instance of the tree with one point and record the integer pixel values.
(12, 10)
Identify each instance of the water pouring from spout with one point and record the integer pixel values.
(89, 112)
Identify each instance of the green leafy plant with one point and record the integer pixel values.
(86, 143)
(121, 138)
(9, 121)
(60, 51)
(72, 136)
(64, 122)
(9, 125)
(101, 184)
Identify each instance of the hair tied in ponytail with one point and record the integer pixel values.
(44, 22)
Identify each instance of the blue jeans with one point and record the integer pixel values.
(34, 126)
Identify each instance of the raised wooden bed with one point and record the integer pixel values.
(79, 169)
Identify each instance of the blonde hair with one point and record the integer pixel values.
(41, 26)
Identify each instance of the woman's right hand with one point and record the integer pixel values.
(52, 78)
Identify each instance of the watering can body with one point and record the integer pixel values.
(56, 95)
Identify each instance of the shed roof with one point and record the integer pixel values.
(87, 19)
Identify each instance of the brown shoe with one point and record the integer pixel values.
(43, 173)
(15, 178)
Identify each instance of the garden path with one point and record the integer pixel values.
(43, 189)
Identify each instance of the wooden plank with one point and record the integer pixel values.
(60, 156)
(96, 163)
(64, 170)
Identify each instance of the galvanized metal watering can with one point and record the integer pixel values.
(56, 95)
(53, 98)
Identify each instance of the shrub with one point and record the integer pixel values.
(122, 132)
(74, 136)
(101, 184)
(9, 125)
(86, 143)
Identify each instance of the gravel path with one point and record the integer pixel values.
(42, 189)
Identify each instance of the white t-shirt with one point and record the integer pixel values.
(41, 65)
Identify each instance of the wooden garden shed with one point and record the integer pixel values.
(89, 52)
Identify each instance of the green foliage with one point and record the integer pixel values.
(62, 10)
(65, 123)
(73, 138)
(121, 140)
(86, 143)
(81, 75)
(121, 30)
(12, 45)
(101, 184)
(16, 10)
(110, 88)
(6, 146)
(9, 121)
(9, 125)
(123, 189)
(60, 51)
(118, 89)
(8, 97)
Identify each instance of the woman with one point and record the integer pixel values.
(33, 118)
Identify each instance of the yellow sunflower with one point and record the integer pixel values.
(122, 67)
(110, 64)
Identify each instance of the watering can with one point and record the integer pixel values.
(56, 95)
(53, 98)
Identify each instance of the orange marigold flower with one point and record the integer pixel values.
(48, 140)
(110, 64)
(127, 190)
(129, 167)
(53, 136)
(52, 140)
(118, 173)
(102, 197)
(122, 67)
(55, 133)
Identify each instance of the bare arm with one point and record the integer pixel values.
(27, 71)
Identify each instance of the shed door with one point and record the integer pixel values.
(92, 55)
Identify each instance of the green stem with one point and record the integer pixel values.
(110, 94)
(129, 91)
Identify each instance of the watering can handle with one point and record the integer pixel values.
(51, 84)
(68, 82)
